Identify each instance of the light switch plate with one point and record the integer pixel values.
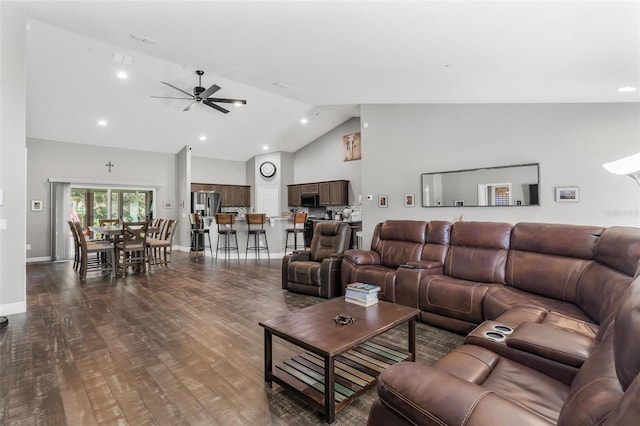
(369, 197)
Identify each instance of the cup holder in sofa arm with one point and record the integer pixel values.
(559, 345)
(504, 329)
(494, 335)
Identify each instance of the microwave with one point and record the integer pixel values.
(309, 200)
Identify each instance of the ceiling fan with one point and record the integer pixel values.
(200, 94)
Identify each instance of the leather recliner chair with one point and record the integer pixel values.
(317, 271)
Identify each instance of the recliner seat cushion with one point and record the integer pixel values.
(452, 297)
(304, 272)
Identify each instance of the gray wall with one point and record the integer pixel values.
(12, 157)
(323, 159)
(85, 163)
(570, 141)
(211, 170)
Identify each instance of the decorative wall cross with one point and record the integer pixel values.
(110, 165)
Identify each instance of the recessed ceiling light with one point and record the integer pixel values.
(123, 75)
(203, 138)
(627, 89)
(303, 120)
(102, 123)
(265, 147)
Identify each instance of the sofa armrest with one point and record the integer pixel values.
(362, 257)
(422, 264)
(428, 396)
(300, 256)
(552, 343)
(330, 269)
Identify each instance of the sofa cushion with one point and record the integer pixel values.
(400, 241)
(304, 272)
(619, 248)
(500, 299)
(556, 239)
(478, 251)
(452, 297)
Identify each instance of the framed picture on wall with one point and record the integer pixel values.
(352, 147)
(36, 205)
(567, 194)
(409, 200)
(383, 201)
(167, 204)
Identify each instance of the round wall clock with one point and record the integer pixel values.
(267, 169)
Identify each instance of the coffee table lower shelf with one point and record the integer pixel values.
(356, 371)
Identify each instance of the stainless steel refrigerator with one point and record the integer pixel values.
(206, 204)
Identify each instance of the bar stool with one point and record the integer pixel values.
(253, 220)
(225, 223)
(198, 231)
(298, 219)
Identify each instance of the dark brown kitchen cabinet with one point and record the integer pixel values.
(232, 195)
(339, 193)
(309, 188)
(242, 196)
(294, 192)
(324, 191)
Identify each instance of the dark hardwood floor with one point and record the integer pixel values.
(181, 345)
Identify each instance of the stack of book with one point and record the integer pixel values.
(362, 294)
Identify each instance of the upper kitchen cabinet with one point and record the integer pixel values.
(338, 193)
(308, 188)
(294, 192)
(232, 195)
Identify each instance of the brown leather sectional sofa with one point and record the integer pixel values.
(539, 302)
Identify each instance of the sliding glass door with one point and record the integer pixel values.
(92, 204)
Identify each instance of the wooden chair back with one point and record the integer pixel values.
(299, 218)
(103, 222)
(225, 219)
(134, 235)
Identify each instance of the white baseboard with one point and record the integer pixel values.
(13, 308)
(38, 259)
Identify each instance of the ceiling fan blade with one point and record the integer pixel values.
(214, 106)
(169, 97)
(227, 101)
(177, 88)
(210, 91)
(190, 105)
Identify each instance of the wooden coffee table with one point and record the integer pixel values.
(341, 361)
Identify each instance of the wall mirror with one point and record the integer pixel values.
(505, 186)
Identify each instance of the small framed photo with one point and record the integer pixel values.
(167, 204)
(36, 205)
(383, 201)
(409, 200)
(458, 203)
(567, 194)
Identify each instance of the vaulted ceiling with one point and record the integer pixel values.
(318, 60)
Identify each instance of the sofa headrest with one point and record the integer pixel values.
(495, 235)
(619, 248)
(626, 338)
(404, 230)
(560, 240)
(329, 238)
(438, 232)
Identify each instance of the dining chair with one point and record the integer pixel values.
(76, 245)
(131, 250)
(104, 250)
(159, 249)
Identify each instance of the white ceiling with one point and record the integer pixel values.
(334, 55)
